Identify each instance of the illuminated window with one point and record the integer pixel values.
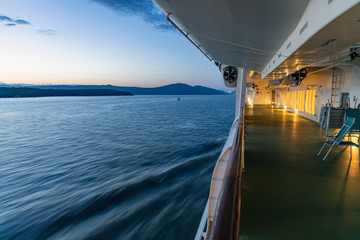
(301, 101)
(310, 101)
(293, 99)
(280, 99)
(283, 98)
(288, 99)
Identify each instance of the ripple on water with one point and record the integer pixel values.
(108, 167)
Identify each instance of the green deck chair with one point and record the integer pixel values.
(335, 139)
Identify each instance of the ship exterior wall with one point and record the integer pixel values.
(347, 81)
(262, 95)
(317, 89)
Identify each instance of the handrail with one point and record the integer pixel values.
(226, 224)
(201, 232)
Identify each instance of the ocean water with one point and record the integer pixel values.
(108, 167)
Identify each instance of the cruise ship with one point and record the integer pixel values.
(296, 66)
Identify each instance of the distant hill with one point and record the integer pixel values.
(172, 89)
(6, 92)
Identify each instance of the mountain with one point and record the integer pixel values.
(6, 92)
(172, 89)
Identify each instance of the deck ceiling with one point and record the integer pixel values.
(344, 30)
(271, 37)
(244, 33)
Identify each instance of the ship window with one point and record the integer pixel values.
(279, 99)
(288, 98)
(293, 99)
(301, 101)
(310, 101)
(283, 99)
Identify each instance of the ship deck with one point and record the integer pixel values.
(288, 192)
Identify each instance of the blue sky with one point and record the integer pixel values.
(124, 43)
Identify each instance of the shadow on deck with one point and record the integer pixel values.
(287, 191)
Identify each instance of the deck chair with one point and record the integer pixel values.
(335, 139)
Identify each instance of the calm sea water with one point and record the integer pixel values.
(108, 167)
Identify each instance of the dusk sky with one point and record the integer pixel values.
(118, 42)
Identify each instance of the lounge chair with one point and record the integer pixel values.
(335, 139)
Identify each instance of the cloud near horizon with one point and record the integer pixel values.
(11, 22)
(9, 25)
(48, 32)
(145, 9)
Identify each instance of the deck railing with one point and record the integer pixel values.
(226, 224)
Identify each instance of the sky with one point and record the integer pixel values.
(118, 42)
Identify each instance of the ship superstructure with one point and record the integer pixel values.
(302, 56)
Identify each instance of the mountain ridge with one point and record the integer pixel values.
(9, 92)
(171, 89)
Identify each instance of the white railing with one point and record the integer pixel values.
(216, 185)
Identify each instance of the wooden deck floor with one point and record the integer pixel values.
(287, 191)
